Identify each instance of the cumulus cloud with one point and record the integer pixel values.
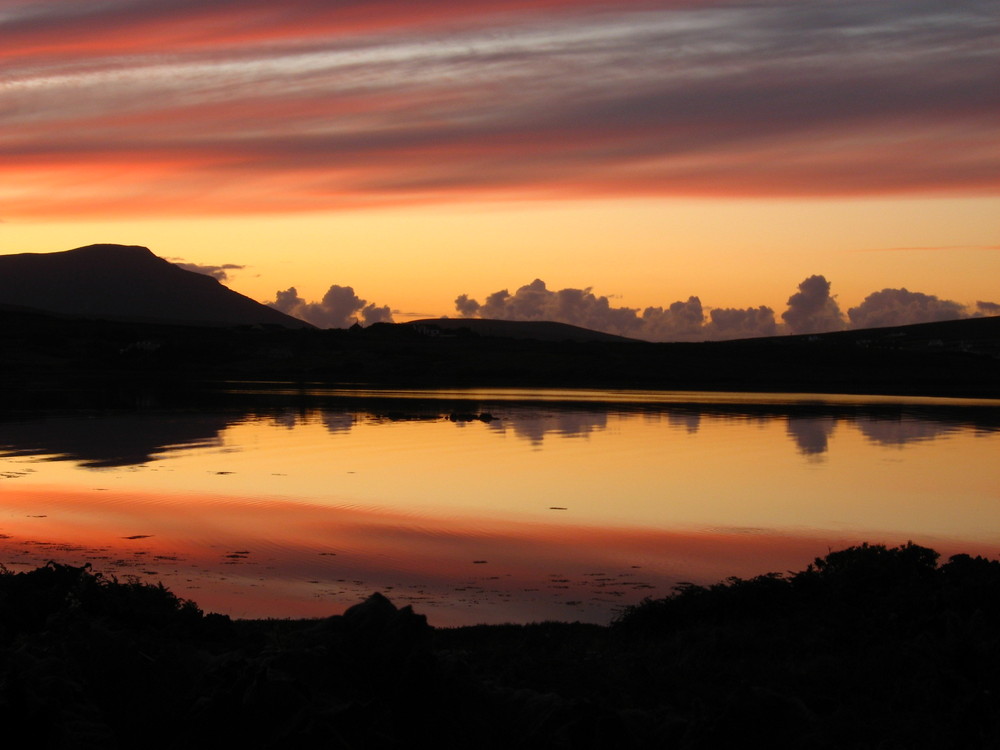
(679, 321)
(733, 323)
(466, 307)
(682, 321)
(899, 307)
(219, 273)
(812, 309)
(339, 308)
(534, 301)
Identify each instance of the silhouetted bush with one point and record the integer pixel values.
(868, 647)
(869, 575)
(45, 596)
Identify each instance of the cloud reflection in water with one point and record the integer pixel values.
(302, 511)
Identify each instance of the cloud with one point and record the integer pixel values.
(812, 309)
(308, 105)
(339, 308)
(371, 313)
(466, 307)
(46, 26)
(219, 273)
(731, 323)
(679, 321)
(900, 307)
(534, 301)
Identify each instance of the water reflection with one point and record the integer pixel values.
(487, 510)
(107, 440)
(534, 427)
(338, 421)
(811, 434)
(899, 432)
(687, 420)
(301, 560)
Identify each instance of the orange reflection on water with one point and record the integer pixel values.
(545, 512)
(280, 558)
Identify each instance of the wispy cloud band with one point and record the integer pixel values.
(183, 107)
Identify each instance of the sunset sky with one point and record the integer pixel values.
(649, 150)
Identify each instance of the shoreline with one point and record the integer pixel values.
(46, 355)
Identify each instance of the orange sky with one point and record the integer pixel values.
(650, 151)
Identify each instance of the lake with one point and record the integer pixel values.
(489, 506)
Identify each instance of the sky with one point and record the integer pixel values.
(628, 165)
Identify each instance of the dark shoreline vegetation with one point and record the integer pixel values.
(45, 354)
(868, 647)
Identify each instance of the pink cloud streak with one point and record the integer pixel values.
(186, 108)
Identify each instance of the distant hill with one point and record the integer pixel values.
(56, 356)
(979, 336)
(515, 329)
(126, 282)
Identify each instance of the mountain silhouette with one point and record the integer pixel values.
(539, 330)
(127, 282)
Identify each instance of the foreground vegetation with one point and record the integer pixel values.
(869, 647)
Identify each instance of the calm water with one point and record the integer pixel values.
(564, 505)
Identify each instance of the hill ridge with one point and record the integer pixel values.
(127, 282)
(540, 330)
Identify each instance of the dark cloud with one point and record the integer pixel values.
(372, 313)
(733, 323)
(339, 308)
(900, 307)
(466, 307)
(557, 97)
(219, 273)
(534, 301)
(680, 321)
(812, 309)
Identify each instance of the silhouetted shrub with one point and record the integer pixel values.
(869, 647)
(868, 574)
(55, 593)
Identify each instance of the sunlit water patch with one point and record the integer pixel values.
(480, 508)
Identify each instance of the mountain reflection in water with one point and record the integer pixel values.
(488, 509)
